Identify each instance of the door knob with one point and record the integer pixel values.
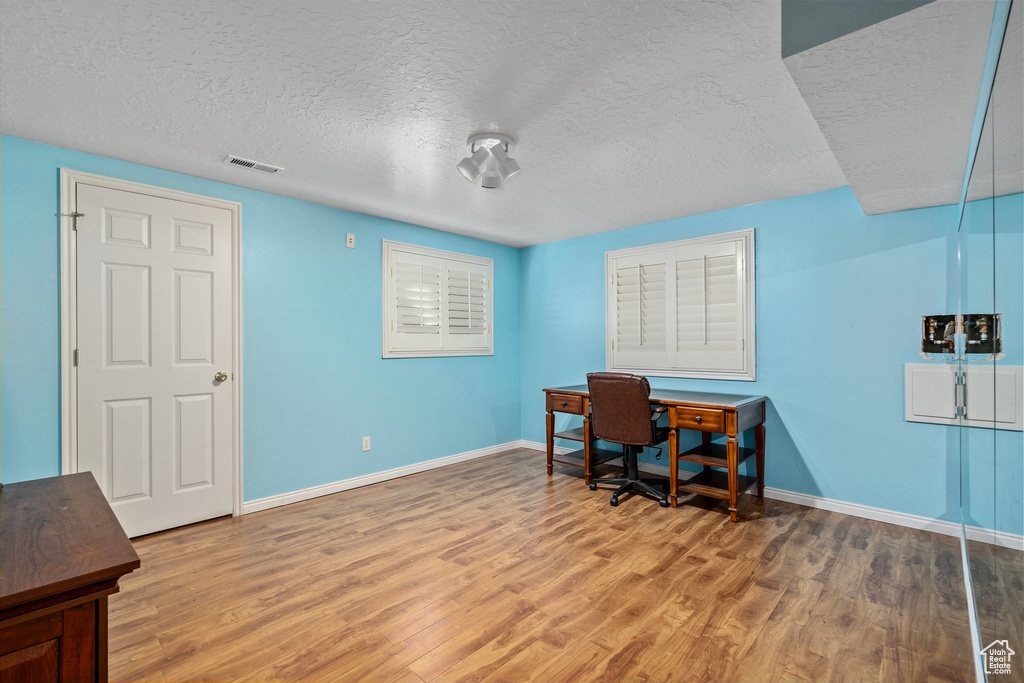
(221, 377)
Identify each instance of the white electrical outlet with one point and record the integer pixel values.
(350, 242)
(366, 443)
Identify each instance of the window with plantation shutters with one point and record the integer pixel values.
(435, 303)
(683, 309)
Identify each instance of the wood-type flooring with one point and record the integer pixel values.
(997, 577)
(489, 570)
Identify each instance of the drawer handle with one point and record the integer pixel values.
(697, 419)
(565, 403)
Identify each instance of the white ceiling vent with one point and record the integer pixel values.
(254, 165)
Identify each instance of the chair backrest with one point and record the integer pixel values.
(621, 406)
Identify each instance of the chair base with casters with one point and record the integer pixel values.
(653, 488)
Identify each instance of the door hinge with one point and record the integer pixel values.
(74, 357)
(74, 216)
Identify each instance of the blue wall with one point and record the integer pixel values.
(839, 300)
(315, 382)
(993, 280)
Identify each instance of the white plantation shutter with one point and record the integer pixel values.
(724, 302)
(468, 297)
(640, 310)
(435, 303)
(709, 311)
(417, 295)
(690, 302)
(683, 308)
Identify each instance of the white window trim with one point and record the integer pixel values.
(748, 374)
(387, 247)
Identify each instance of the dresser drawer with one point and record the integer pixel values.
(702, 419)
(565, 403)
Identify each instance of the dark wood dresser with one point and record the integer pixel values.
(62, 552)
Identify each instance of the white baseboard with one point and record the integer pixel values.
(905, 519)
(999, 538)
(974, 533)
(367, 479)
(538, 446)
(938, 526)
(908, 520)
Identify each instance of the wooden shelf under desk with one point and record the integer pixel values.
(714, 454)
(571, 434)
(597, 456)
(700, 411)
(715, 484)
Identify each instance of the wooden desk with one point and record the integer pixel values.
(62, 553)
(705, 412)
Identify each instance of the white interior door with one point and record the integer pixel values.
(153, 330)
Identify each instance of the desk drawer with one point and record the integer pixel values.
(565, 403)
(702, 419)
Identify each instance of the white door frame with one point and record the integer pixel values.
(69, 314)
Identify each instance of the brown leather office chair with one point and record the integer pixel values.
(622, 414)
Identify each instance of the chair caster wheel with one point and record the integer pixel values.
(593, 487)
(614, 502)
(663, 503)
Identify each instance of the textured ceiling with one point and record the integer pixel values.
(624, 113)
(896, 102)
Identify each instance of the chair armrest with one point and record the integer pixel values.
(658, 412)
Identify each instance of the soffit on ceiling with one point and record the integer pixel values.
(999, 166)
(624, 113)
(896, 102)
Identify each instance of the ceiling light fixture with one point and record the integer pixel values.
(489, 160)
